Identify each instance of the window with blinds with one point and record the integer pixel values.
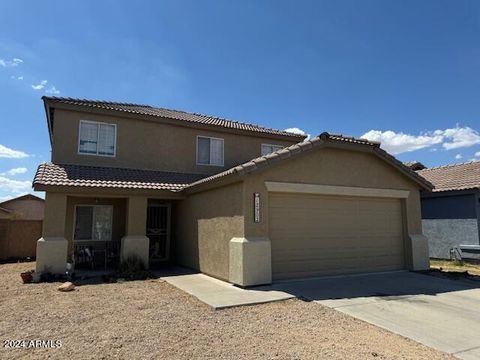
(97, 138)
(209, 151)
(93, 222)
(268, 148)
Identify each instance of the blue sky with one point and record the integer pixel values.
(406, 73)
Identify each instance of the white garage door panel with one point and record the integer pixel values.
(316, 235)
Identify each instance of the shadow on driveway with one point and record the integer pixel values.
(391, 284)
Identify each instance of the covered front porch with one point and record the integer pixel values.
(97, 232)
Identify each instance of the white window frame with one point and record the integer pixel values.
(272, 145)
(98, 134)
(223, 151)
(93, 223)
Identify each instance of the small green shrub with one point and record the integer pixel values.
(133, 268)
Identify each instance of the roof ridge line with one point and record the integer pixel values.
(450, 165)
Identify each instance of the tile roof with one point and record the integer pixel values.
(107, 177)
(171, 114)
(287, 152)
(22, 197)
(453, 177)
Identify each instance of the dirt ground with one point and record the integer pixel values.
(470, 266)
(152, 319)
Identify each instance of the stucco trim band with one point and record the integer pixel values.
(299, 188)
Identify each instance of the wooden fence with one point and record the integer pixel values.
(18, 238)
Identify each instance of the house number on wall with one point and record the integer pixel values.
(256, 207)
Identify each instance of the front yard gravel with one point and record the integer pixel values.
(152, 319)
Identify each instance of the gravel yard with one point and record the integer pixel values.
(152, 319)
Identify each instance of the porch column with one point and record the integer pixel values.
(135, 242)
(52, 247)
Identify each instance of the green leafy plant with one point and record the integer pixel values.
(133, 268)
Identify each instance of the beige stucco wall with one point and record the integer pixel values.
(203, 225)
(332, 166)
(152, 145)
(26, 209)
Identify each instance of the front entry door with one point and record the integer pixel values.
(158, 231)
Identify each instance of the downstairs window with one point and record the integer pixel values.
(93, 222)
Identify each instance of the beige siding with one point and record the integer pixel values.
(204, 224)
(315, 235)
(152, 145)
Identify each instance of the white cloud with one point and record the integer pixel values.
(5, 198)
(477, 154)
(397, 143)
(16, 171)
(458, 156)
(40, 86)
(10, 63)
(460, 137)
(298, 131)
(52, 90)
(15, 186)
(16, 77)
(6, 152)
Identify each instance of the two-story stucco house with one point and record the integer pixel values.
(237, 201)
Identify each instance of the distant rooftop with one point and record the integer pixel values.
(415, 165)
(453, 177)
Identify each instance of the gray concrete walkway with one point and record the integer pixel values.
(219, 294)
(438, 312)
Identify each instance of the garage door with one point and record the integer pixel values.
(314, 235)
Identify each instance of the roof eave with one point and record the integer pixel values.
(46, 105)
(51, 103)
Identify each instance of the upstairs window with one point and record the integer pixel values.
(268, 148)
(97, 138)
(209, 151)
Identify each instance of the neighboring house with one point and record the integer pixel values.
(451, 213)
(20, 226)
(239, 202)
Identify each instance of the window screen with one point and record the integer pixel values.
(93, 223)
(209, 151)
(268, 149)
(97, 138)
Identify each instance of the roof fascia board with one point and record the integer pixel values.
(109, 192)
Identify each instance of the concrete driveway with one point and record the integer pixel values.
(438, 312)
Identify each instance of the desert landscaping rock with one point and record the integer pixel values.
(152, 319)
(66, 286)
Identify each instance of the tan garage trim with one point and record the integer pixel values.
(299, 188)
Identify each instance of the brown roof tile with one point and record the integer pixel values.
(106, 177)
(293, 150)
(454, 177)
(171, 114)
